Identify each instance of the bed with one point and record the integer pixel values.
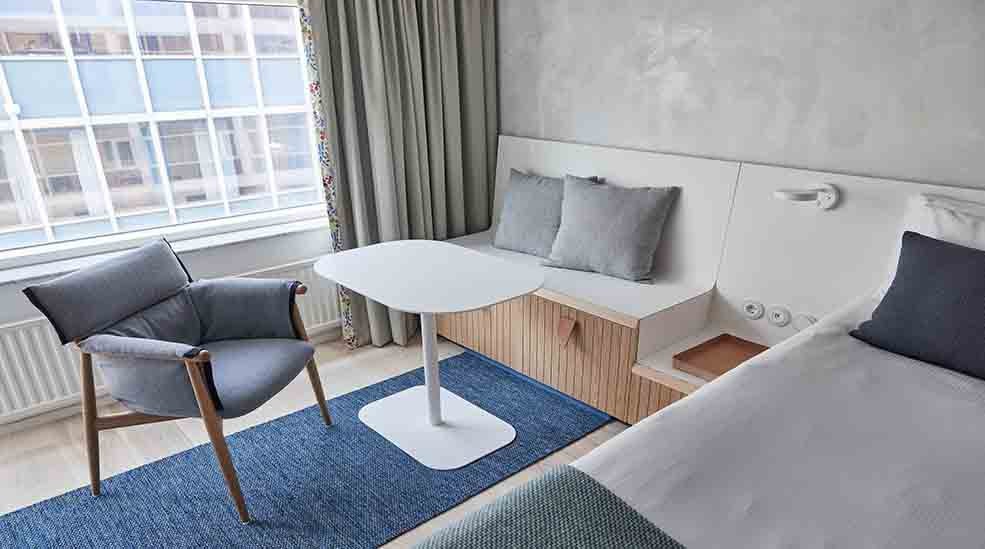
(822, 441)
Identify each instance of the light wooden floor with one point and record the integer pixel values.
(45, 461)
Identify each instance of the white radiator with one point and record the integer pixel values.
(39, 375)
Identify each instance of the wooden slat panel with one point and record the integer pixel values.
(633, 399)
(571, 354)
(626, 372)
(614, 368)
(554, 376)
(492, 333)
(597, 336)
(605, 353)
(654, 403)
(578, 343)
(594, 366)
(537, 346)
(644, 406)
(521, 343)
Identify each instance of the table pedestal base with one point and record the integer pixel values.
(466, 434)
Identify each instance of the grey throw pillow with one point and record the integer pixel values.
(609, 229)
(933, 310)
(531, 213)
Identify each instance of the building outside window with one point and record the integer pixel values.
(121, 115)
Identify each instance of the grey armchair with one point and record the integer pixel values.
(169, 347)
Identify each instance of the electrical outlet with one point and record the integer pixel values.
(753, 310)
(778, 316)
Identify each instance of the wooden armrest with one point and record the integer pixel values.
(201, 357)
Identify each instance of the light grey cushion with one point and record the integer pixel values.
(530, 214)
(146, 375)
(82, 303)
(609, 229)
(157, 386)
(248, 372)
(137, 347)
(244, 308)
(174, 319)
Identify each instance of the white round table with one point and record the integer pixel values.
(428, 277)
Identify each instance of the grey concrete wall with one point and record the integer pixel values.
(891, 88)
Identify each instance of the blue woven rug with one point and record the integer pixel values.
(308, 485)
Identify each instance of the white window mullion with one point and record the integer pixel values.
(316, 167)
(262, 129)
(73, 71)
(25, 157)
(155, 133)
(210, 121)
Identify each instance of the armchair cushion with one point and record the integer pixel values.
(174, 319)
(137, 348)
(248, 372)
(244, 308)
(82, 303)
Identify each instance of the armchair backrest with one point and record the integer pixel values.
(91, 299)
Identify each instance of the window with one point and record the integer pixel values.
(122, 115)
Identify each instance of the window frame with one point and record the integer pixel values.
(230, 221)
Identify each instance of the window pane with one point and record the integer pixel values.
(143, 221)
(300, 198)
(72, 231)
(162, 28)
(17, 205)
(111, 87)
(274, 29)
(281, 82)
(42, 88)
(131, 168)
(28, 27)
(289, 137)
(251, 205)
(66, 173)
(242, 156)
(96, 27)
(188, 156)
(19, 239)
(221, 29)
(187, 215)
(173, 84)
(230, 83)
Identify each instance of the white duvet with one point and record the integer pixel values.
(823, 441)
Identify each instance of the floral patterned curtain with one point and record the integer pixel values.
(327, 170)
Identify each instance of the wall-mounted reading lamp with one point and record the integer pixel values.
(824, 197)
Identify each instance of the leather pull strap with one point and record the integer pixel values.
(565, 327)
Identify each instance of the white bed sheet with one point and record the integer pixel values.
(823, 441)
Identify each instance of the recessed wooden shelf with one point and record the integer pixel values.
(716, 356)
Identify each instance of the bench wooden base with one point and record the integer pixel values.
(581, 354)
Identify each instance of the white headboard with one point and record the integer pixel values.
(804, 258)
(690, 250)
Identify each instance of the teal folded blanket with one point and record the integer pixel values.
(563, 509)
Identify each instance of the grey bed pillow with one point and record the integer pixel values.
(609, 229)
(531, 213)
(933, 310)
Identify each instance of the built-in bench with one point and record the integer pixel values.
(583, 332)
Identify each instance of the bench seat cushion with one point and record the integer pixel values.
(634, 299)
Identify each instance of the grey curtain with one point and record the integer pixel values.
(409, 90)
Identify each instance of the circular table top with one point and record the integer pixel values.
(427, 276)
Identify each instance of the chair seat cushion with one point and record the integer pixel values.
(248, 372)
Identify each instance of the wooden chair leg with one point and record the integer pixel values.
(213, 425)
(312, 368)
(89, 422)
